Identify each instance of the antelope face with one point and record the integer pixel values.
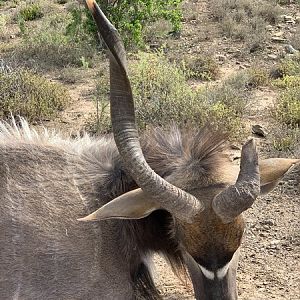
(213, 249)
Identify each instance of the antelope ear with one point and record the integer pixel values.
(132, 205)
(272, 170)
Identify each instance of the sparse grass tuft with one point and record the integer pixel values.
(49, 46)
(290, 66)
(3, 25)
(70, 75)
(31, 12)
(258, 76)
(287, 82)
(245, 19)
(286, 139)
(202, 67)
(30, 95)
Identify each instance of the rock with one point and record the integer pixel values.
(289, 20)
(272, 56)
(221, 57)
(290, 49)
(269, 27)
(235, 147)
(278, 39)
(259, 130)
(297, 20)
(233, 50)
(278, 34)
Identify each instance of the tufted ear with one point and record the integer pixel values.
(272, 171)
(131, 205)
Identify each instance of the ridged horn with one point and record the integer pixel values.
(235, 199)
(178, 202)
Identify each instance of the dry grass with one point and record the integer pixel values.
(246, 20)
(30, 95)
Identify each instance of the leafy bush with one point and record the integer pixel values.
(287, 82)
(130, 17)
(30, 95)
(162, 95)
(290, 66)
(258, 76)
(31, 12)
(287, 109)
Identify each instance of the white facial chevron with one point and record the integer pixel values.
(219, 273)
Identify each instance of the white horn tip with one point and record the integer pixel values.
(88, 218)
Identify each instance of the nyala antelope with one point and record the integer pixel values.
(81, 218)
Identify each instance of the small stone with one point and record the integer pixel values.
(269, 27)
(290, 49)
(259, 130)
(272, 56)
(288, 19)
(290, 22)
(233, 50)
(221, 57)
(277, 39)
(278, 34)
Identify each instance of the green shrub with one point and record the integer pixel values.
(130, 17)
(162, 96)
(287, 82)
(202, 67)
(31, 12)
(258, 76)
(30, 95)
(287, 109)
(286, 139)
(290, 66)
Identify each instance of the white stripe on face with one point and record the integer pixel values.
(221, 273)
(208, 274)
